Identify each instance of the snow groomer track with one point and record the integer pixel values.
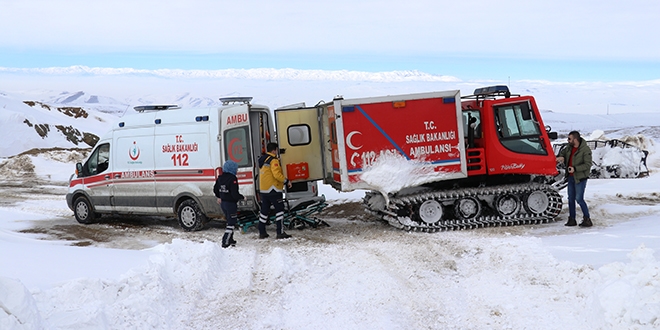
(468, 208)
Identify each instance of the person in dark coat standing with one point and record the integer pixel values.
(226, 190)
(576, 156)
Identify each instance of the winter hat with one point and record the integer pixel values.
(230, 167)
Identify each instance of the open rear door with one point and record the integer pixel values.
(300, 140)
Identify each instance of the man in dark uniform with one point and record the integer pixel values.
(226, 190)
(271, 187)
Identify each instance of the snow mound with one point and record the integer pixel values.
(640, 141)
(20, 166)
(18, 309)
(392, 172)
(53, 164)
(617, 162)
(597, 135)
(630, 293)
(493, 283)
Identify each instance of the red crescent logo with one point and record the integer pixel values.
(231, 150)
(135, 150)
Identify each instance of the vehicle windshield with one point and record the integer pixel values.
(518, 129)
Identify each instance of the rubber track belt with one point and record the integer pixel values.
(522, 217)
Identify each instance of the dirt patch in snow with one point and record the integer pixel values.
(17, 167)
(348, 210)
(63, 155)
(114, 232)
(131, 232)
(20, 170)
(643, 199)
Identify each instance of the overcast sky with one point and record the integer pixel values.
(559, 40)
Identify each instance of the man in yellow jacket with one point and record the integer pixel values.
(271, 188)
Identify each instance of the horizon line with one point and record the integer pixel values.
(266, 73)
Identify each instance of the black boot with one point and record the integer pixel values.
(226, 240)
(586, 222)
(283, 235)
(571, 222)
(280, 231)
(262, 230)
(232, 242)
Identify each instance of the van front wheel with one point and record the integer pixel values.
(190, 216)
(84, 211)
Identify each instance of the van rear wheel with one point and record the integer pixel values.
(190, 216)
(84, 211)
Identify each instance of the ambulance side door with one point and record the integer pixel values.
(300, 138)
(134, 190)
(97, 177)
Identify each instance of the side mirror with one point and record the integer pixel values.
(79, 169)
(551, 135)
(526, 112)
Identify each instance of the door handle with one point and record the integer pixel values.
(117, 176)
(282, 151)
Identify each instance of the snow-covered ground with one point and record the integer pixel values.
(355, 274)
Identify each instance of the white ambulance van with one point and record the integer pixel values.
(164, 160)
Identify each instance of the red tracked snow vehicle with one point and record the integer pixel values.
(480, 160)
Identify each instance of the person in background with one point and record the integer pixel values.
(271, 188)
(576, 156)
(226, 190)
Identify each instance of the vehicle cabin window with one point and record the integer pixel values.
(299, 135)
(99, 161)
(237, 146)
(467, 114)
(519, 132)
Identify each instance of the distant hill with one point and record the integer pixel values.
(118, 107)
(70, 119)
(29, 124)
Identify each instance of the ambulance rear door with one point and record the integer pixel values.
(236, 146)
(301, 141)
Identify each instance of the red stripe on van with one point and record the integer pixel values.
(244, 175)
(175, 175)
(185, 172)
